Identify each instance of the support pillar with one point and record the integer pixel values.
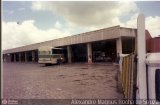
(89, 52)
(9, 59)
(19, 57)
(69, 54)
(119, 45)
(33, 56)
(4, 57)
(25, 57)
(141, 50)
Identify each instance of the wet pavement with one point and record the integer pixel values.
(68, 81)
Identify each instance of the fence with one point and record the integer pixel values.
(128, 75)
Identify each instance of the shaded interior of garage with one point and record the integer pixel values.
(128, 45)
(104, 51)
(79, 53)
(12, 57)
(28, 56)
(23, 56)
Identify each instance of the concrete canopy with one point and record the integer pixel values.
(97, 35)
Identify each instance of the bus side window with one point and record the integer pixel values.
(157, 84)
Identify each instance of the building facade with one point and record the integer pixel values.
(79, 48)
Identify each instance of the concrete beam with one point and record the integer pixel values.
(69, 54)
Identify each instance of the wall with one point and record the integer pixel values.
(155, 44)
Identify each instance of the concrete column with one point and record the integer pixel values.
(14, 57)
(69, 54)
(33, 56)
(89, 52)
(4, 57)
(19, 57)
(135, 50)
(9, 58)
(25, 57)
(119, 45)
(141, 66)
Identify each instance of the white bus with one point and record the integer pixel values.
(49, 55)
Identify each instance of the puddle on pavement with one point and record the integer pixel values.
(84, 68)
(83, 74)
(77, 80)
(93, 76)
(109, 81)
(82, 83)
(113, 86)
(61, 76)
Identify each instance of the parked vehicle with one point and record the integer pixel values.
(99, 56)
(49, 55)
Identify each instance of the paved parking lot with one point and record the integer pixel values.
(80, 80)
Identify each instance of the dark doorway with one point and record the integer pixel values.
(29, 56)
(128, 45)
(12, 57)
(79, 53)
(104, 51)
(17, 57)
(22, 56)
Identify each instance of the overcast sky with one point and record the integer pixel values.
(29, 22)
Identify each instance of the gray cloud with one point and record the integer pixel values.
(87, 13)
(79, 16)
(9, 11)
(15, 35)
(21, 9)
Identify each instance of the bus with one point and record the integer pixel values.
(49, 55)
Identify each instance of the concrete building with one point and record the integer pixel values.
(154, 44)
(80, 47)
